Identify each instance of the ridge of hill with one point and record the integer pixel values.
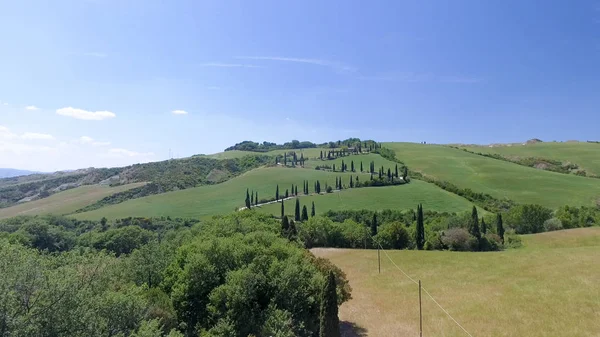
(162, 176)
(500, 179)
(10, 172)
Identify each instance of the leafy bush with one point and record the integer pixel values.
(457, 239)
(553, 224)
(512, 240)
(393, 236)
(527, 219)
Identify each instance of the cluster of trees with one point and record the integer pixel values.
(293, 159)
(267, 146)
(229, 276)
(298, 215)
(366, 145)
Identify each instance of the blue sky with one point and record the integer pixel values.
(95, 83)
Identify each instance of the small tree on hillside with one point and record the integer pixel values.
(252, 198)
(396, 173)
(343, 166)
(247, 199)
(287, 193)
(297, 211)
(374, 225)
(329, 320)
(282, 209)
(318, 187)
(361, 167)
(420, 228)
(285, 159)
(483, 226)
(312, 211)
(474, 224)
(389, 174)
(500, 227)
(277, 193)
(340, 180)
(296, 191)
(256, 199)
(321, 155)
(405, 173)
(352, 166)
(304, 213)
(333, 167)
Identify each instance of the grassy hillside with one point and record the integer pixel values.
(65, 202)
(377, 198)
(535, 291)
(223, 198)
(498, 178)
(585, 155)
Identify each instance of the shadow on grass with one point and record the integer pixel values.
(349, 329)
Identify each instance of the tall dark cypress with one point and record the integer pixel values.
(277, 193)
(336, 183)
(361, 167)
(333, 167)
(297, 211)
(374, 224)
(248, 199)
(343, 166)
(312, 211)
(256, 199)
(329, 320)
(389, 173)
(405, 173)
(287, 193)
(351, 182)
(483, 226)
(474, 225)
(420, 228)
(499, 227)
(352, 166)
(396, 170)
(340, 180)
(292, 189)
(282, 209)
(285, 225)
(252, 198)
(318, 187)
(285, 159)
(304, 213)
(296, 191)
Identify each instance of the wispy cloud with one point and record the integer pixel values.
(85, 115)
(229, 65)
(31, 108)
(5, 133)
(36, 136)
(318, 62)
(90, 141)
(179, 112)
(127, 153)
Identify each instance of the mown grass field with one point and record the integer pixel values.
(65, 202)
(586, 155)
(206, 201)
(499, 178)
(542, 289)
(377, 198)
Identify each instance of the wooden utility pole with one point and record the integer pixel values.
(420, 313)
(379, 259)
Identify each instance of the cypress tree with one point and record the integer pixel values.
(285, 225)
(318, 187)
(336, 183)
(312, 211)
(285, 159)
(293, 232)
(420, 228)
(296, 191)
(297, 211)
(352, 166)
(256, 199)
(287, 193)
(321, 155)
(282, 210)
(302, 159)
(499, 227)
(247, 199)
(396, 170)
(483, 226)
(351, 182)
(380, 173)
(277, 193)
(329, 320)
(343, 166)
(357, 182)
(474, 225)
(252, 198)
(374, 224)
(333, 167)
(361, 167)
(389, 174)
(405, 173)
(340, 180)
(304, 213)
(292, 189)
(371, 175)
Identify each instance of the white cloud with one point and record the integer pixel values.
(179, 112)
(4, 103)
(229, 65)
(90, 141)
(318, 62)
(31, 108)
(5, 133)
(128, 153)
(85, 115)
(36, 136)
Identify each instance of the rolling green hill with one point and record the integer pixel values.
(65, 202)
(498, 178)
(206, 201)
(585, 155)
(377, 198)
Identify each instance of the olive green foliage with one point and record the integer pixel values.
(526, 219)
(267, 146)
(574, 217)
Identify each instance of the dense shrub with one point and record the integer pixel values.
(393, 236)
(457, 239)
(553, 224)
(526, 219)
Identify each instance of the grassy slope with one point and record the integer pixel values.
(586, 155)
(376, 198)
(498, 178)
(222, 198)
(532, 291)
(65, 202)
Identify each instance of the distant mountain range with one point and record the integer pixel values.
(9, 173)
